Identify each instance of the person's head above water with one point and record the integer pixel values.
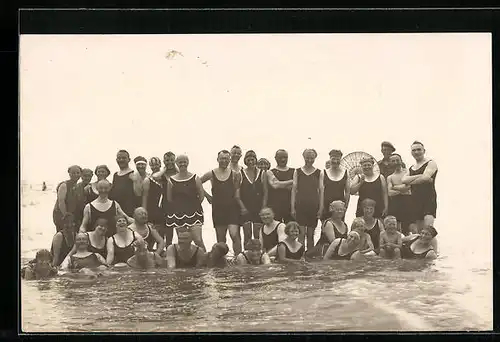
(122, 159)
(368, 206)
(292, 229)
(121, 223)
(43, 263)
(102, 172)
(184, 237)
(101, 226)
(281, 157)
(253, 250)
(219, 250)
(81, 241)
(223, 158)
(428, 233)
(353, 239)
(74, 172)
(250, 159)
(140, 215)
(103, 187)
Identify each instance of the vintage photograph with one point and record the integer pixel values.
(256, 182)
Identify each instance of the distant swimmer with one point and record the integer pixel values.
(253, 254)
(82, 258)
(63, 240)
(390, 239)
(120, 245)
(373, 226)
(422, 177)
(251, 196)
(280, 182)
(385, 166)
(122, 190)
(371, 186)
(306, 199)
(185, 195)
(216, 258)
(235, 158)
(67, 197)
(91, 193)
(400, 204)
(225, 209)
(336, 185)
(143, 258)
(102, 207)
(345, 249)
(263, 164)
(272, 231)
(146, 231)
(420, 246)
(290, 249)
(44, 186)
(39, 268)
(184, 254)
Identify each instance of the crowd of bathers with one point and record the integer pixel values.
(130, 221)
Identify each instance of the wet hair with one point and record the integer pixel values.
(74, 166)
(290, 225)
(431, 230)
(102, 167)
(248, 154)
(169, 154)
(124, 151)
(101, 222)
(222, 246)
(253, 244)
(43, 254)
(139, 159)
(367, 160)
(86, 170)
(266, 208)
(310, 150)
(223, 152)
(390, 217)
(416, 142)
(335, 152)
(368, 202)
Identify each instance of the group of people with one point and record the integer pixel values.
(131, 220)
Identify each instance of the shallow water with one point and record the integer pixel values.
(451, 293)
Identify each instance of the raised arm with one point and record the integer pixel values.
(294, 193)
(86, 218)
(331, 249)
(170, 257)
(111, 251)
(119, 211)
(145, 193)
(359, 180)
(61, 198)
(321, 194)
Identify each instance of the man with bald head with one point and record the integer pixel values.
(280, 180)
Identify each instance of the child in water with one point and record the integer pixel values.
(390, 239)
(366, 244)
(143, 258)
(40, 267)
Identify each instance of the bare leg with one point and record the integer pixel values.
(256, 230)
(220, 232)
(397, 253)
(310, 237)
(234, 233)
(197, 236)
(247, 232)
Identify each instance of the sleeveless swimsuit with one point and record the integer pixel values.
(122, 191)
(270, 240)
(280, 199)
(307, 200)
(122, 254)
(424, 197)
(179, 263)
(375, 235)
(102, 251)
(248, 260)
(337, 256)
(252, 197)
(225, 209)
(291, 255)
(334, 191)
(109, 215)
(371, 190)
(156, 193)
(150, 239)
(90, 195)
(89, 261)
(185, 209)
(71, 200)
(407, 253)
(323, 239)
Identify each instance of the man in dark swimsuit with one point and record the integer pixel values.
(421, 177)
(280, 180)
(385, 166)
(122, 190)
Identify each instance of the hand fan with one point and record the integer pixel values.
(350, 162)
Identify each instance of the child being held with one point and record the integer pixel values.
(390, 239)
(365, 245)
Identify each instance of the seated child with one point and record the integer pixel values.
(390, 239)
(366, 244)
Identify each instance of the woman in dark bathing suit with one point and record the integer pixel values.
(420, 246)
(63, 241)
(336, 185)
(290, 249)
(344, 249)
(272, 231)
(184, 254)
(82, 258)
(91, 193)
(253, 254)
(120, 245)
(97, 239)
(371, 186)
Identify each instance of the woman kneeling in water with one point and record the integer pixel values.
(420, 246)
(143, 258)
(120, 245)
(253, 254)
(345, 249)
(290, 250)
(40, 267)
(82, 258)
(184, 254)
